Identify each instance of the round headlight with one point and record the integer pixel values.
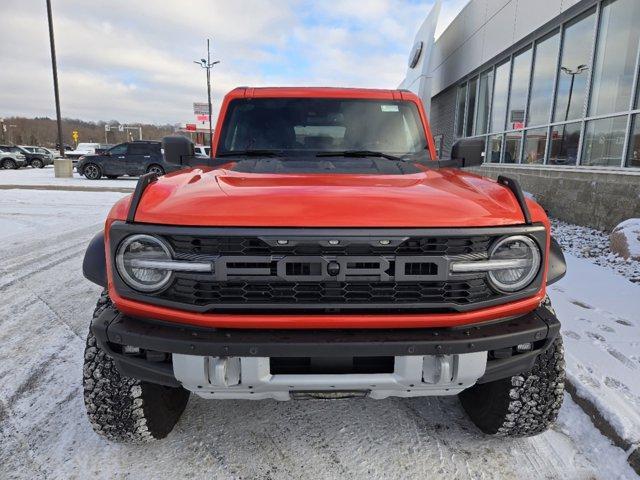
(527, 256)
(143, 247)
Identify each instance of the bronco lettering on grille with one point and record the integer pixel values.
(329, 268)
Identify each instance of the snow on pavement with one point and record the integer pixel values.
(44, 316)
(600, 315)
(45, 177)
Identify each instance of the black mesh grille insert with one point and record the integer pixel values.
(198, 292)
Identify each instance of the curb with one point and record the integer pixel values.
(69, 188)
(603, 425)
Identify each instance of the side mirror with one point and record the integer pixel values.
(468, 152)
(178, 150)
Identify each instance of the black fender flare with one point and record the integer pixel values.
(557, 264)
(94, 265)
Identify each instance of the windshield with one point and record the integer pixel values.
(317, 125)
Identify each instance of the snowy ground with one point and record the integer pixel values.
(45, 176)
(45, 307)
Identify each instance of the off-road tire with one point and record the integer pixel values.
(522, 405)
(124, 409)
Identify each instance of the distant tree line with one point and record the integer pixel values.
(43, 131)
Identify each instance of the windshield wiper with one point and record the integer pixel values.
(251, 153)
(360, 153)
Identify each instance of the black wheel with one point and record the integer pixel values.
(112, 177)
(157, 169)
(92, 171)
(124, 409)
(9, 164)
(522, 405)
(37, 163)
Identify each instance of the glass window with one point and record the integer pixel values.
(604, 141)
(633, 156)
(495, 144)
(471, 109)
(484, 101)
(500, 91)
(614, 67)
(564, 144)
(462, 97)
(574, 67)
(544, 71)
(519, 88)
(512, 144)
(535, 142)
(119, 149)
(138, 149)
(298, 126)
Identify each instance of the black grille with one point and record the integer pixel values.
(199, 292)
(187, 244)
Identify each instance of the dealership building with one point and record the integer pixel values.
(551, 88)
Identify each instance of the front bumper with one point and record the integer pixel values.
(155, 351)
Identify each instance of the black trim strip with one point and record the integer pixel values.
(515, 188)
(112, 326)
(143, 182)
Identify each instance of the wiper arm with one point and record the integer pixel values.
(360, 153)
(250, 153)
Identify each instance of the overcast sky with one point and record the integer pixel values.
(132, 60)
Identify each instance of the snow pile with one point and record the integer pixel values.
(585, 242)
(625, 239)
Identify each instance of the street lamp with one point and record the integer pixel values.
(576, 71)
(208, 65)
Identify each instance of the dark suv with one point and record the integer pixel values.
(132, 158)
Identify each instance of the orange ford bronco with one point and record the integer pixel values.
(323, 252)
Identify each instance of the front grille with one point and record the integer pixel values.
(200, 292)
(188, 244)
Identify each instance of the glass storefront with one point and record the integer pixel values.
(570, 97)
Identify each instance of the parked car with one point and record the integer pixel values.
(202, 151)
(330, 254)
(11, 157)
(81, 150)
(131, 158)
(37, 157)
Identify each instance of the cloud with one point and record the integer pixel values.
(133, 60)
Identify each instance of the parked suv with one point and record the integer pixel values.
(37, 157)
(132, 158)
(329, 254)
(11, 157)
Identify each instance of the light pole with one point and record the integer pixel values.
(55, 78)
(208, 65)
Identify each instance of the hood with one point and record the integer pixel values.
(430, 198)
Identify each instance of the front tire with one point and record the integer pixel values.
(124, 409)
(9, 164)
(157, 169)
(522, 405)
(92, 171)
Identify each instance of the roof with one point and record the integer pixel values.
(321, 92)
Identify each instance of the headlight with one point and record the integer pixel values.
(136, 251)
(520, 257)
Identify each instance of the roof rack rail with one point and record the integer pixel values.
(143, 182)
(515, 188)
